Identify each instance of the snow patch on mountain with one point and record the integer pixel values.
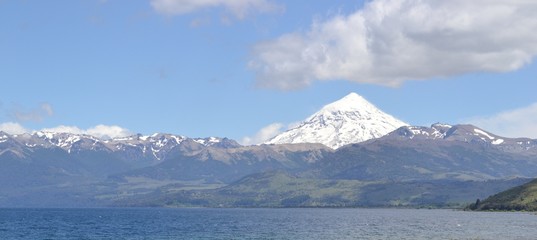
(481, 132)
(3, 137)
(156, 146)
(351, 119)
(465, 133)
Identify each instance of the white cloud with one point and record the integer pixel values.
(100, 131)
(12, 128)
(104, 131)
(239, 8)
(391, 41)
(264, 134)
(47, 109)
(520, 122)
(64, 129)
(36, 115)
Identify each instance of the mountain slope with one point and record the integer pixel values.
(460, 152)
(351, 119)
(523, 197)
(63, 169)
(152, 148)
(57, 169)
(64, 162)
(412, 166)
(225, 165)
(281, 189)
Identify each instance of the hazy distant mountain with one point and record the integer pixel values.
(391, 163)
(412, 166)
(56, 159)
(464, 133)
(351, 119)
(225, 165)
(462, 152)
(63, 169)
(155, 147)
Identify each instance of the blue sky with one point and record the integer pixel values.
(232, 68)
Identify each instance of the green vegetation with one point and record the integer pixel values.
(520, 198)
(281, 189)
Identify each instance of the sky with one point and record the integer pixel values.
(249, 69)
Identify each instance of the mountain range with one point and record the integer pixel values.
(347, 154)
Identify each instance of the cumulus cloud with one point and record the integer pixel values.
(264, 134)
(64, 129)
(391, 41)
(239, 8)
(35, 115)
(12, 128)
(520, 122)
(104, 131)
(100, 131)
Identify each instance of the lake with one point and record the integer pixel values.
(160, 223)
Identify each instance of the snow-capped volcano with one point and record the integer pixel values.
(351, 119)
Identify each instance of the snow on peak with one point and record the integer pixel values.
(42, 134)
(351, 102)
(3, 137)
(63, 140)
(144, 138)
(210, 141)
(351, 119)
(441, 125)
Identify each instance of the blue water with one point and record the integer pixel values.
(156, 223)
